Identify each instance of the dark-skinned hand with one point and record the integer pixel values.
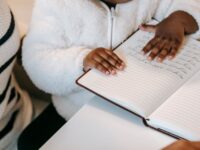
(169, 35)
(104, 60)
(183, 145)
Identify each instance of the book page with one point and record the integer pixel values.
(185, 63)
(144, 85)
(180, 114)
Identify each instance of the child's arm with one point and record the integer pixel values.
(169, 35)
(49, 61)
(167, 7)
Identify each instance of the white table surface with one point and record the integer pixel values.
(101, 125)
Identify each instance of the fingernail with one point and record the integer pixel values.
(107, 72)
(170, 57)
(149, 58)
(118, 66)
(114, 72)
(121, 67)
(122, 63)
(159, 60)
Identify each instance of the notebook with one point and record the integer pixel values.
(166, 95)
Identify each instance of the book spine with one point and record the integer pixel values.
(145, 121)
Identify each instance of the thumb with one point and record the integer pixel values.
(148, 28)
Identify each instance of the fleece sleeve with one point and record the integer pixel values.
(48, 59)
(166, 7)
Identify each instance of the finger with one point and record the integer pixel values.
(112, 54)
(105, 63)
(109, 58)
(164, 52)
(100, 67)
(148, 28)
(150, 44)
(108, 65)
(113, 59)
(175, 47)
(156, 50)
(153, 54)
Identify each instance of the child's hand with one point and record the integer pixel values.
(169, 35)
(103, 60)
(167, 41)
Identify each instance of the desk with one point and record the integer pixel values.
(101, 125)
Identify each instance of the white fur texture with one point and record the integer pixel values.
(63, 32)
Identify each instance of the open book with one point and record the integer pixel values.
(166, 95)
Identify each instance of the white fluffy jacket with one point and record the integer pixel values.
(63, 32)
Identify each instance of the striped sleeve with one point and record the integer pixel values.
(11, 122)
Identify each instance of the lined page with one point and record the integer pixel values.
(144, 85)
(180, 114)
(185, 64)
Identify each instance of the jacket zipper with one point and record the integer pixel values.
(111, 27)
(111, 22)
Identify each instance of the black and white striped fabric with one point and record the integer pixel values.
(15, 106)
